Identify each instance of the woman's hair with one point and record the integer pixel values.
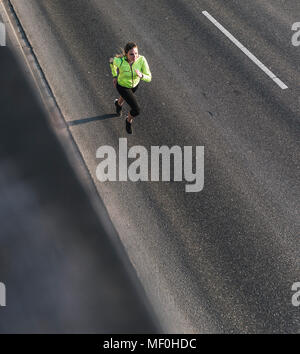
(127, 48)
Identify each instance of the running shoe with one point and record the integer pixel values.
(128, 127)
(118, 108)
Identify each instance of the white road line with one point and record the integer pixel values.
(246, 51)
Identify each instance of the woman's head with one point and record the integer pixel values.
(131, 51)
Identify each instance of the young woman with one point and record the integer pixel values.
(128, 69)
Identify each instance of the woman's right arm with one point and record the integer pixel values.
(114, 69)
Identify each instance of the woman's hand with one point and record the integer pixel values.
(139, 74)
(115, 80)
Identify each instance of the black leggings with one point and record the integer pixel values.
(128, 95)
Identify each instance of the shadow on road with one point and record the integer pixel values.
(92, 119)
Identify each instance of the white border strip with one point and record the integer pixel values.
(246, 51)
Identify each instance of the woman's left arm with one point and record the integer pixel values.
(147, 76)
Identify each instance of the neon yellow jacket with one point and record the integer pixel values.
(127, 77)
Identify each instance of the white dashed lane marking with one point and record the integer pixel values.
(246, 51)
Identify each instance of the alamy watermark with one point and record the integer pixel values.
(2, 35)
(2, 295)
(139, 170)
(296, 296)
(296, 36)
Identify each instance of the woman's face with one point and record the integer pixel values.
(133, 54)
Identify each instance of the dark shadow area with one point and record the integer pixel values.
(63, 272)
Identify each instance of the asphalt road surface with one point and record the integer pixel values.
(224, 259)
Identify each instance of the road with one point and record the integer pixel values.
(222, 260)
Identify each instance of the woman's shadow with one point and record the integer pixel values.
(92, 119)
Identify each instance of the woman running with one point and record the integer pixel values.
(128, 69)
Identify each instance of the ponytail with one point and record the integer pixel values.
(120, 55)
